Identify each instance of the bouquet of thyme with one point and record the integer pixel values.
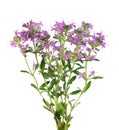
(60, 58)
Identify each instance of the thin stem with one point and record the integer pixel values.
(85, 78)
(36, 57)
(32, 74)
(69, 79)
(77, 100)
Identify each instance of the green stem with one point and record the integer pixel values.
(85, 78)
(60, 125)
(32, 74)
(36, 57)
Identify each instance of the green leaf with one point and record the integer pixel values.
(42, 65)
(68, 119)
(34, 86)
(96, 59)
(46, 103)
(61, 108)
(75, 92)
(51, 72)
(47, 108)
(45, 75)
(63, 77)
(42, 87)
(71, 80)
(63, 62)
(80, 66)
(76, 72)
(52, 83)
(29, 50)
(87, 86)
(24, 71)
(81, 61)
(69, 64)
(36, 66)
(97, 77)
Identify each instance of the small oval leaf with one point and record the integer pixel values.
(71, 80)
(36, 66)
(75, 92)
(42, 65)
(76, 71)
(87, 86)
(34, 86)
(24, 71)
(45, 75)
(42, 87)
(97, 77)
(52, 83)
(46, 103)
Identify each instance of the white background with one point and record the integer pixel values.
(20, 105)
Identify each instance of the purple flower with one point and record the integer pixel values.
(65, 57)
(84, 34)
(80, 57)
(35, 24)
(90, 26)
(13, 44)
(101, 36)
(52, 43)
(27, 46)
(57, 48)
(81, 48)
(92, 57)
(45, 33)
(92, 73)
(103, 45)
(24, 35)
(46, 46)
(72, 25)
(31, 28)
(22, 49)
(75, 39)
(24, 25)
(71, 33)
(59, 26)
(87, 25)
(88, 49)
(34, 64)
(94, 39)
(80, 75)
(16, 33)
(83, 23)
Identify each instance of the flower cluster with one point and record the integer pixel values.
(68, 39)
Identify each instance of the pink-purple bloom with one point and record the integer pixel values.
(65, 57)
(58, 27)
(34, 64)
(80, 56)
(92, 57)
(92, 72)
(88, 49)
(80, 75)
(13, 44)
(80, 38)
